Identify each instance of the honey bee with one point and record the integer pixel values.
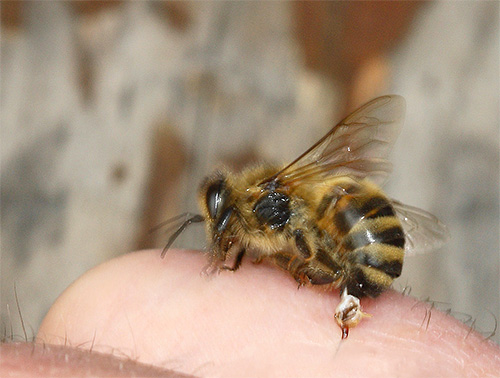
(322, 218)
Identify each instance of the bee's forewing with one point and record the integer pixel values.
(358, 146)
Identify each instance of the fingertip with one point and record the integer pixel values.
(161, 311)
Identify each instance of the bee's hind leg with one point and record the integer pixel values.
(348, 313)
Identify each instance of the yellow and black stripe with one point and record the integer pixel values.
(371, 241)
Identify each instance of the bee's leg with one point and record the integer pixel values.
(301, 277)
(209, 269)
(237, 262)
(297, 269)
(258, 260)
(302, 244)
(348, 313)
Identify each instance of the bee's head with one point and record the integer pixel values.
(215, 203)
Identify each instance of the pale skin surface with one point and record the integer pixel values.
(253, 322)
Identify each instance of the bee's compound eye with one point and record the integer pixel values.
(215, 198)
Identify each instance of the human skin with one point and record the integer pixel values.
(253, 322)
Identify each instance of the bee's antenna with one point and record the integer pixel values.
(194, 219)
(170, 220)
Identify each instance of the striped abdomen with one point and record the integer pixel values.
(371, 241)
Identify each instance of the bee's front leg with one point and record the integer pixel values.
(236, 264)
(348, 313)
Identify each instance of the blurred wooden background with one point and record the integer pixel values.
(112, 112)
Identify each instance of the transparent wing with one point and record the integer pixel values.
(423, 231)
(358, 146)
